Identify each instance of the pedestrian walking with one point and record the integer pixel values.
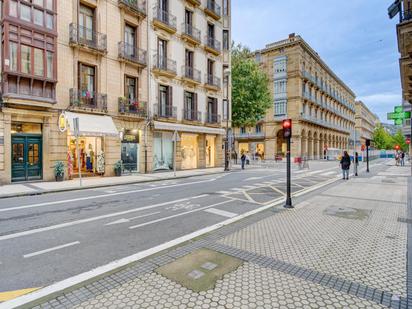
(397, 159)
(345, 165)
(402, 158)
(243, 160)
(356, 163)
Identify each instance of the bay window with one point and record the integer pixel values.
(13, 56)
(38, 62)
(25, 59)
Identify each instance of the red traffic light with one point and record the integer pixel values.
(408, 141)
(397, 147)
(287, 124)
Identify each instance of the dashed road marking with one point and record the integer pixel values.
(51, 249)
(222, 213)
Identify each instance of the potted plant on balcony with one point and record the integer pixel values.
(59, 171)
(118, 168)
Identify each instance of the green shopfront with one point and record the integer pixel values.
(26, 151)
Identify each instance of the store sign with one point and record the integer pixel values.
(398, 116)
(130, 137)
(62, 122)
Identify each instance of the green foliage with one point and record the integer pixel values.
(59, 168)
(250, 92)
(383, 140)
(399, 139)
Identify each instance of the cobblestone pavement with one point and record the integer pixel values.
(341, 248)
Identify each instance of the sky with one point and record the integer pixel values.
(355, 38)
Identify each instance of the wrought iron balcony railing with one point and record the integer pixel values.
(214, 7)
(213, 43)
(132, 53)
(165, 111)
(138, 6)
(191, 73)
(191, 31)
(164, 64)
(164, 17)
(212, 80)
(212, 118)
(88, 99)
(133, 107)
(192, 115)
(87, 37)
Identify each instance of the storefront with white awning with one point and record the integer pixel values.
(98, 139)
(196, 146)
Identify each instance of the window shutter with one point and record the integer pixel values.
(195, 101)
(170, 96)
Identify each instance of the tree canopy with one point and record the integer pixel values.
(250, 88)
(383, 140)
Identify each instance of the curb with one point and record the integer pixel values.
(52, 291)
(41, 192)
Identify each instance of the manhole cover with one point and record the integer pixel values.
(347, 212)
(200, 269)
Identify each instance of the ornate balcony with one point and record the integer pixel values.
(192, 115)
(133, 108)
(164, 20)
(132, 54)
(213, 46)
(88, 39)
(164, 66)
(213, 119)
(213, 9)
(88, 100)
(136, 7)
(212, 82)
(191, 34)
(191, 75)
(165, 111)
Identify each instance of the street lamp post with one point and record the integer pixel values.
(227, 73)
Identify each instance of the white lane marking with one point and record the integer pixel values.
(178, 215)
(127, 220)
(249, 187)
(277, 190)
(328, 173)
(62, 225)
(237, 189)
(222, 213)
(98, 196)
(223, 192)
(250, 199)
(51, 249)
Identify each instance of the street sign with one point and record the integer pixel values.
(398, 116)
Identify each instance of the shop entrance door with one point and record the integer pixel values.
(26, 158)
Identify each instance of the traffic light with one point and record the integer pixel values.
(408, 141)
(397, 147)
(287, 128)
(368, 142)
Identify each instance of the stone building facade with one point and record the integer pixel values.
(306, 90)
(366, 122)
(98, 61)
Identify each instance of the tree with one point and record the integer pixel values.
(399, 139)
(381, 138)
(250, 88)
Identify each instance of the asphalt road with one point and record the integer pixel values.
(50, 237)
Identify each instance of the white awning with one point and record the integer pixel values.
(93, 125)
(187, 128)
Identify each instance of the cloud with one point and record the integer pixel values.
(382, 103)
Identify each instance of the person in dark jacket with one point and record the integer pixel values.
(243, 160)
(345, 164)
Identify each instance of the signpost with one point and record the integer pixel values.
(76, 130)
(175, 138)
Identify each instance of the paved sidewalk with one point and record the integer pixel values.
(19, 189)
(341, 247)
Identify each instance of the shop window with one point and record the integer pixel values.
(163, 151)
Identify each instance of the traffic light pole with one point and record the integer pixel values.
(288, 203)
(367, 158)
